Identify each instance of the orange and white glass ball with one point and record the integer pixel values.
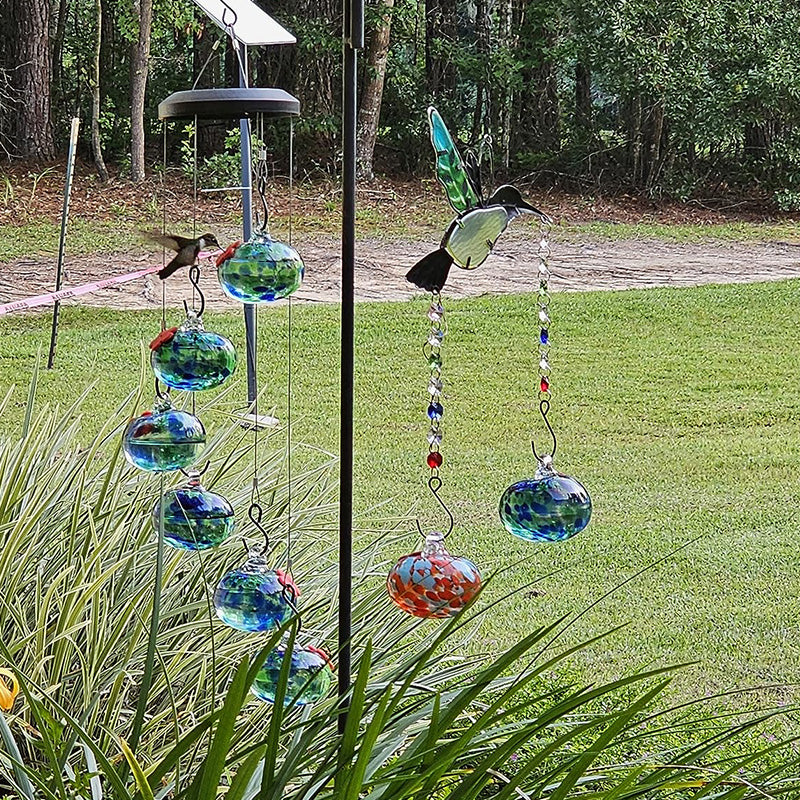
(431, 582)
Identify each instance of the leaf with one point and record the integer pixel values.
(136, 769)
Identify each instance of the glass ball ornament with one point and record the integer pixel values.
(254, 597)
(431, 582)
(261, 270)
(192, 358)
(310, 675)
(550, 507)
(194, 518)
(164, 439)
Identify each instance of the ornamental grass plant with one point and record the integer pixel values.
(426, 720)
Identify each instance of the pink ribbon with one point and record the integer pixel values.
(76, 291)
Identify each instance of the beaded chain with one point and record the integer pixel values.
(543, 254)
(432, 351)
(545, 393)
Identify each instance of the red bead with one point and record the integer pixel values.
(544, 385)
(434, 460)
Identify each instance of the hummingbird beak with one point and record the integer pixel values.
(528, 208)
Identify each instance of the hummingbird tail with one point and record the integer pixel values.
(431, 272)
(172, 267)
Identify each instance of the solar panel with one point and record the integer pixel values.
(250, 24)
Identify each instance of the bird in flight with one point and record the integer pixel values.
(186, 250)
(471, 236)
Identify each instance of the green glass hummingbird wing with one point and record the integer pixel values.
(450, 167)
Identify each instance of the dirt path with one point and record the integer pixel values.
(381, 266)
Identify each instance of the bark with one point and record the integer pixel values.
(30, 73)
(58, 49)
(140, 57)
(441, 30)
(97, 147)
(370, 107)
(583, 97)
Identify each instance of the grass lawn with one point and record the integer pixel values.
(679, 409)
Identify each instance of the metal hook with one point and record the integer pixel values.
(225, 14)
(544, 410)
(255, 513)
(159, 394)
(195, 473)
(194, 279)
(435, 484)
(261, 188)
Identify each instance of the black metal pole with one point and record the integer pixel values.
(352, 40)
(73, 143)
(247, 227)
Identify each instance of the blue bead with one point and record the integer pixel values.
(435, 411)
(544, 336)
(550, 508)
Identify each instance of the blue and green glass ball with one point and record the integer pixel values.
(192, 359)
(550, 507)
(261, 270)
(310, 676)
(193, 517)
(254, 597)
(163, 440)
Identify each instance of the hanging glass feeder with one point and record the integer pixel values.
(164, 439)
(431, 582)
(254, 597)
(310, 675)
(261, 270)
(550, 507)
(194, 518)
(191, 358)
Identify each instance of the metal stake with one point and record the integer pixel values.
(352, 40)
(73, 142)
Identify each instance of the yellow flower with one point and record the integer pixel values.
(9, 689)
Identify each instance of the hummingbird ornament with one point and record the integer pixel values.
(187, 250)
(471, 236)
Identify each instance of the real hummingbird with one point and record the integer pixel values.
(187, 249)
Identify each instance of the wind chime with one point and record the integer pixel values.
(548, 507)
(253, 597)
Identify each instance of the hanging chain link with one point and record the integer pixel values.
(433, 354)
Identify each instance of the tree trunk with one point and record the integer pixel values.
(369, 112)
(140, 56)
(30, 72)
(583, 97)
(97, 147)
(58, 51)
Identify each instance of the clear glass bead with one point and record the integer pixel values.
(435, 386)
(435, 436)
(435, 338)
(436, 312)
(544, 366)
(544, 270)
(543, 317)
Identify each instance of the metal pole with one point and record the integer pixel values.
(247, 226)
(352, 40)
(73, 142)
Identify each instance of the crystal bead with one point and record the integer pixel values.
(435, 338)
(544, 385)
(544, 246)
(543, 317)
(435, 410)
(436, 312)
(544, 336)
(544, 269)
(434, 460)
(544, 366)
(435, 386)
(435, 361)
(435, 436)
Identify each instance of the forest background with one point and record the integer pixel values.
(677, 98)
